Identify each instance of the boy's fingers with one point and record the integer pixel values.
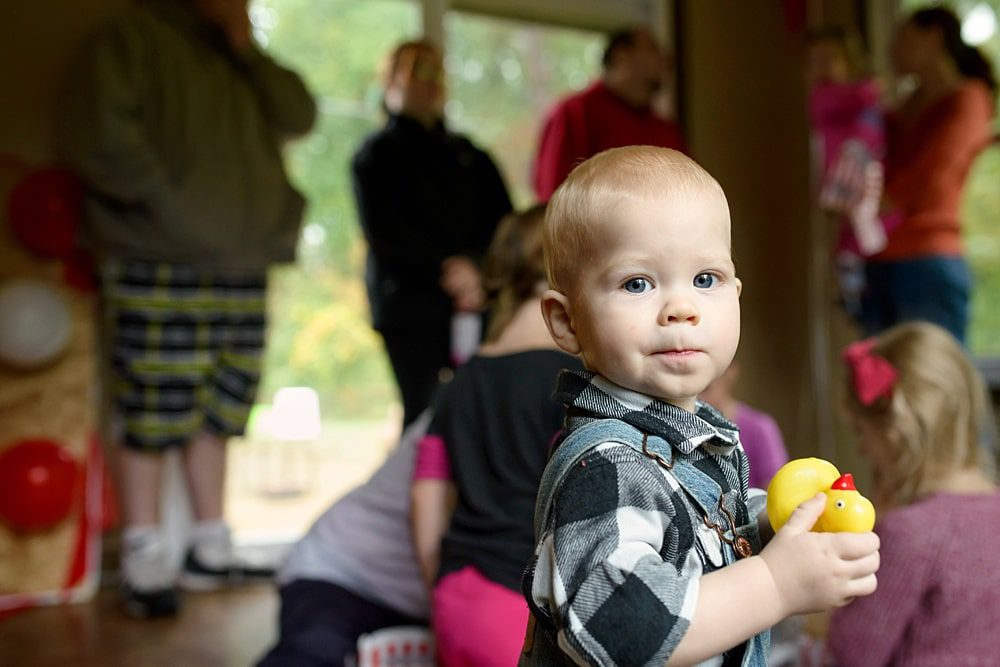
(851, 546)
(805, 515)
(863, 567)
(863, 586)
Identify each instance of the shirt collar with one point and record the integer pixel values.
(407, 124)
(588, 395)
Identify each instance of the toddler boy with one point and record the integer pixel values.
(649, 548)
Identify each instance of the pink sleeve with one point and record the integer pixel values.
(432, 459)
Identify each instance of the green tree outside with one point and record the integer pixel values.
(502, 75)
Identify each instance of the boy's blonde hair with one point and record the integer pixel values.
(935, 415)
(514, 271)
(589, 195)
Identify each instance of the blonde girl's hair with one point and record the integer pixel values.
(514, 270)
(935, 415)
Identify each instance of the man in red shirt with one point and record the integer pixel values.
(615, 110)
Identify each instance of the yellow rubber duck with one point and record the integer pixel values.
(801, 479)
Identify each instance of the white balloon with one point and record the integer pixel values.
(35, 324)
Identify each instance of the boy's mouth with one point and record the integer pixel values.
(678, 354)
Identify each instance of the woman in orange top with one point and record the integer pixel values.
(933, 138)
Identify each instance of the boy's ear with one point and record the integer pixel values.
(739, 288)
(555, 312)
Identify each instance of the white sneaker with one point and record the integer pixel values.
(146, 581)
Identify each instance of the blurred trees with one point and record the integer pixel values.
(501, 77)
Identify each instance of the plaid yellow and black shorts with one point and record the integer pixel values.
(185, 347)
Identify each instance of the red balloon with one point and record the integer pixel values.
(38, 480)
(44, 211)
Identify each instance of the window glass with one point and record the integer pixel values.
(504, 75)
(288, 468)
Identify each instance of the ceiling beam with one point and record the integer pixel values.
(600, 15)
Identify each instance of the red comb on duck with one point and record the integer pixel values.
(844, 483)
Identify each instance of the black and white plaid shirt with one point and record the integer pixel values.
(617, 568)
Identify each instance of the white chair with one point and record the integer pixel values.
(399, 646)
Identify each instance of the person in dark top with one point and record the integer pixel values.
(485, 451)
(428, 201)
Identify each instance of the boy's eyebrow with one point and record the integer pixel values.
(700, 259)
(713, 259)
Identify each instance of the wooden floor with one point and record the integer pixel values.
(227, 628)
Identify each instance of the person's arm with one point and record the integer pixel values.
(100, 124)
(284, 98)
(961, 131)
(609, 562)
(869, 630)
(560, 148)
(799, 572)
(432, 502)
(614, 569)
(288, 106)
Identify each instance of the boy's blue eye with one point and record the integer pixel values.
(705, 280)
(636, 285)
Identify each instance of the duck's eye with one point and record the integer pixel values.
(840, 504)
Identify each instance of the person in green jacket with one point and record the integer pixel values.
(175, 120)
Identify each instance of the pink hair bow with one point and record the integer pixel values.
(874, 376)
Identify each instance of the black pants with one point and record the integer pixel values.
(417, 352)
(321, 623)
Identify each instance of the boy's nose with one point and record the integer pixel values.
(679, 309)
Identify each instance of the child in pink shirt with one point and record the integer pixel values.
(847, 120)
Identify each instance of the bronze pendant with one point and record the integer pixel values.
(742, 546)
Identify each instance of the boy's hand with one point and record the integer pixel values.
(819, 571)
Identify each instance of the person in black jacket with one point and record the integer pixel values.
(429, 201)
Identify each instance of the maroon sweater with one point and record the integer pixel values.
(938, 597)
(593, 120)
